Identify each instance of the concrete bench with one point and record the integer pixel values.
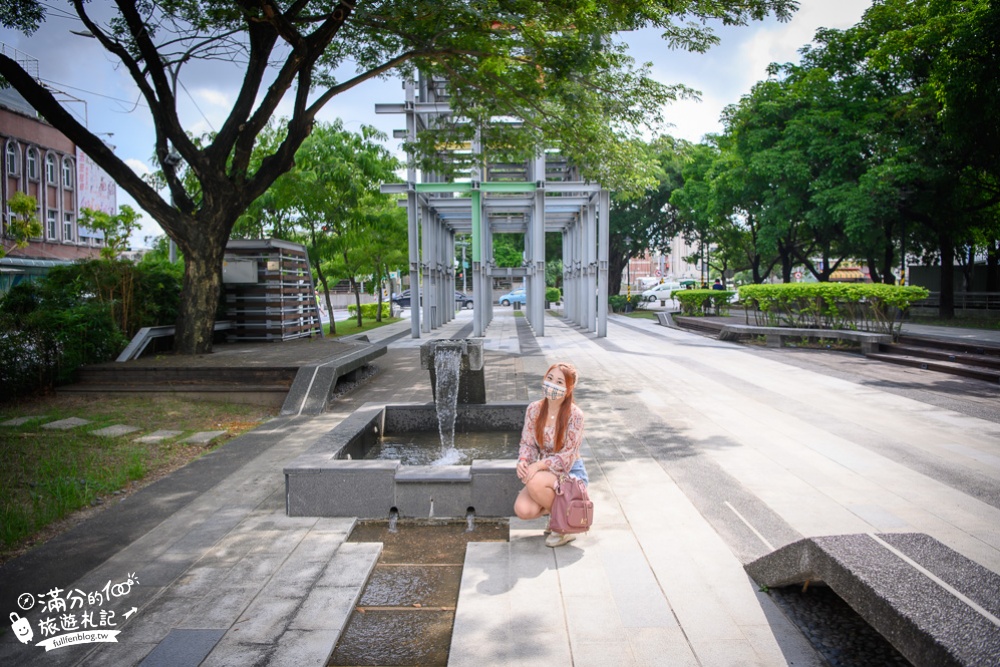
(666, 319)
(145, 336)
(775, 336)
(313, 385)
(936, 606)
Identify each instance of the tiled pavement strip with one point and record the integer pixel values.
(702, 457)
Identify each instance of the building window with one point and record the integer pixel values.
(50, 169)
(12, 158)
(67, 173)
(51, 224)
(67, 227)
(33, 164)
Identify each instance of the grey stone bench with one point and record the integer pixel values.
(145, 336)
(666, 319)
(936, 606)
(313, 385)
(775, 336)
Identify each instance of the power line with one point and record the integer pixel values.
(135, 103)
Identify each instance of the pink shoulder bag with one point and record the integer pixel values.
(572, 511)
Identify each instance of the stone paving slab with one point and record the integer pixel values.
(202, 437)
(66, 424)
(17, 421)
(158, 436)
(115, 430)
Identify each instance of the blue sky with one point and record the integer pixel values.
(109, 101)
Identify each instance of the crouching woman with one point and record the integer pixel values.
(550, 447)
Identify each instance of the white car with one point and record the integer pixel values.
(660, 292)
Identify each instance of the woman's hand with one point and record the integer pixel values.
(526, 471)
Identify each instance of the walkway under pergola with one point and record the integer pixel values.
(540, 195)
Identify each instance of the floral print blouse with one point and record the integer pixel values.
(561, 462)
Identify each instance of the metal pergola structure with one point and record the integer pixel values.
(540, 195)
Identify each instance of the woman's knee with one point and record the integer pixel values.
(541, 484)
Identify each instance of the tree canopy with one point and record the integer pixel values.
(882, 141)
(554, 66)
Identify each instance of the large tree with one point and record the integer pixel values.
(553, 65)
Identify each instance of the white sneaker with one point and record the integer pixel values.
(558, 539)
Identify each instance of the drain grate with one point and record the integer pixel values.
(406, 612)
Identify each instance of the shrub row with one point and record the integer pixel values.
(369, 310)
(79, 314)
(703, 301)
(856, 306)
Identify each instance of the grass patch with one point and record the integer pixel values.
(350, 327)
(47, 476)
(641, 314)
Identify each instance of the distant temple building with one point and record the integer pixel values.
(39, 160)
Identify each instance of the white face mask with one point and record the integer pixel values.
(553, 391)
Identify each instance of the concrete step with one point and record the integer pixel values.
(977, 348)
(966, 358)
(952, 368)
(166, 375)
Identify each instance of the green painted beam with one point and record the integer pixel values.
(476, 224)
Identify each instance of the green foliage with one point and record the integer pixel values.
(552, 294)
(861, 306)
(621, 303)
(695, 302)
(116, 228)
(368, 310)
(508, 250)
(80, 314)
(23, 224)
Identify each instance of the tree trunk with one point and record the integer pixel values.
(200, 294)
(946, 308)
(873, 271)
(786, 263)
(993, 267)
(888, 253)
(356, 288)
(326, 294)
(969, 267)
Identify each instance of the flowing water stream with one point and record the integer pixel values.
(447, 365)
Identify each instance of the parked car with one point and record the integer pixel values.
(403, 299)
(513, 296)
(660, 292)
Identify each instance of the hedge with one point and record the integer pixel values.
(703, 301)
(620, 303)
(855, 306)
(552, 294)
(369, 310)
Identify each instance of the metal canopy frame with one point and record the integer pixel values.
(537, 196)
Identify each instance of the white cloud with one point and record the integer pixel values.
(138, 166)
(780, 42)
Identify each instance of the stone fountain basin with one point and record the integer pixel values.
(325, 482)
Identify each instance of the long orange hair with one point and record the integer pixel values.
(562, 419)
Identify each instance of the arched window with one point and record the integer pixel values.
(68, 173)
(12, 158)
(33, 164)
(50, 169)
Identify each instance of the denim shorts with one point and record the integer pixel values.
(577, 470)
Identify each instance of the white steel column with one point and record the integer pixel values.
(603, 235)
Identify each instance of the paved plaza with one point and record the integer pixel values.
(703, 456)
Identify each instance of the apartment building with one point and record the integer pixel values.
(37, 159)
